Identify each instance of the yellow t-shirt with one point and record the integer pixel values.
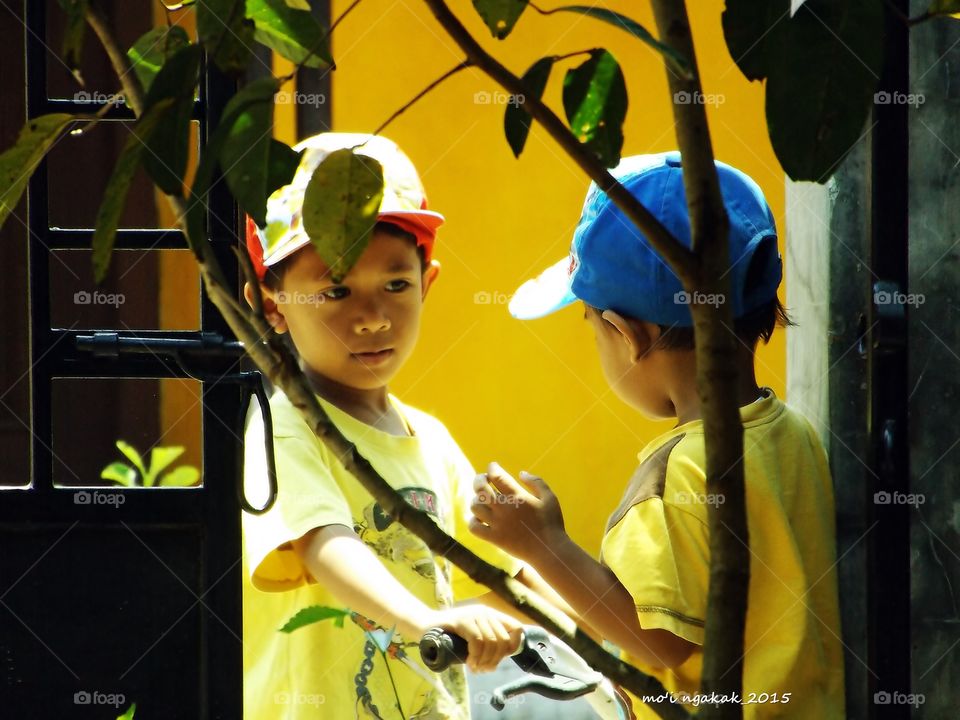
(657, 544)
(320, 670)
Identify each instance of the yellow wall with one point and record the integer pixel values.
(530, 395)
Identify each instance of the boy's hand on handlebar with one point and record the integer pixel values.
(521, 520)
(490, 634)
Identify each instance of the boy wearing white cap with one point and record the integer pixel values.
(648, 592)
(326, 541)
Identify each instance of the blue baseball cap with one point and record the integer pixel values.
(611, 265)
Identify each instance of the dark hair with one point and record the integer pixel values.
(273, 278)
(756, 325)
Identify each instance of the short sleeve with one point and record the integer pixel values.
(307, 497)
(660, 553)
(463, 474)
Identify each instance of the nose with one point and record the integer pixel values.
(371, 319)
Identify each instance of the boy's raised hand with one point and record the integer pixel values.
(524, 521)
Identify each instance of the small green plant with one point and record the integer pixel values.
(140, 475)
(128, 715)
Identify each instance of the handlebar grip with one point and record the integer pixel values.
(440, 649)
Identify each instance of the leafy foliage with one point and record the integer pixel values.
(500, 15)
(140, 474)
(314, 614)
(226, 33)
(821, 66)
(18, 163)
(679, 63)
(115, 195)
(294, 33)
(516, 120)
(340, 208)
(168, 145)
(595, 101)
(149, 53)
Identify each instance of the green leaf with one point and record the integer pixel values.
(73, 34)
(315, 614)
(226, 34)
(115, 195)
(283, 164)
(256, 93)
(752, 29)
(677, 61)
(516, 120)
(340, 206)
(130, 452)
(168, 146)
(128, 715)
(595, 101)
(821, 84)
(18, 163)
(183, 476)
(160, 459)
(295, 34)
(153, 49)
(120, 473)
(244, 158)
(500, 15)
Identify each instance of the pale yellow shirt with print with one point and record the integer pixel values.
(657, 544)
(321, 671)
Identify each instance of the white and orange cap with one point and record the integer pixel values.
(404, 201)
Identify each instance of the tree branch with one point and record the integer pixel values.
(681, 259)
(716, 357)
(118, 59)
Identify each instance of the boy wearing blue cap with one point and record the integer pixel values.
(648, 592)
(326, 542)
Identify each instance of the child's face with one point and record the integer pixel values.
(360, 332)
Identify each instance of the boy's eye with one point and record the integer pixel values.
(398, 285)
(337, 293)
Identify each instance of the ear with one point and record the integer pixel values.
(637, 336)
(271, 311)
(430, 274)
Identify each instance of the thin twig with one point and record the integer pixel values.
(449, 73)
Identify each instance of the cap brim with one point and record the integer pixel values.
(429, 219)
(545, 294)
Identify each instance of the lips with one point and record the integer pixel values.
(374, 357)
